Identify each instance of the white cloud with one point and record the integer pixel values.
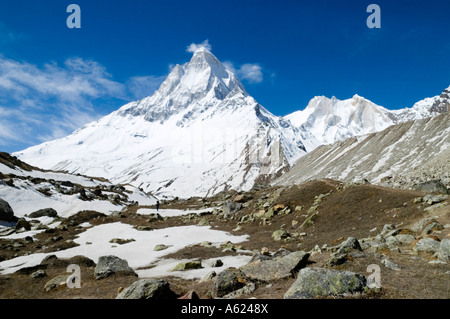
(50, 101)
(41, 103)
(195, 46)
(251, 72)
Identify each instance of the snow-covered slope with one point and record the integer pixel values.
(199, 134)
(28, 189)
(330, 120)
(407, 153)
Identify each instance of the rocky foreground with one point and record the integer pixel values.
(319, 239)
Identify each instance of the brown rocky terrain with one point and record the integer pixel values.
(320, 224)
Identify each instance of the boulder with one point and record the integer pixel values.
(405, 238)
(161, 247)
(23, 223)
(56, 282)
(349, 248)
(390, 264)
(280, 234)
(109, 265)
(229, 208)
(50, 212)
(148, 289)
(434, 199)
(349, 245)
(434, 186)
(321, 282)
(229, 280)
(428, 245)
(444, 250)
(276, 268)
(6, 212)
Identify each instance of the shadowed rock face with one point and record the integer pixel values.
(6, 212)
(442, 104)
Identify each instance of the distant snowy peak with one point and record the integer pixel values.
(192, 88)
(427, 107)
(329, 120)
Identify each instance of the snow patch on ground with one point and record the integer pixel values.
(95, 242)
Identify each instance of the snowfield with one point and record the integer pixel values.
(140, 254)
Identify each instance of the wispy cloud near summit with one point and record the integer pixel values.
(195, 46)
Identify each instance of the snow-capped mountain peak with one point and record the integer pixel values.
(198, 134)
(329, 120)
(189, 88)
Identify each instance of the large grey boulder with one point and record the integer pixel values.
(147, 289)
(109, 265)
(275, 268)
(227, 281)
(6, 212)
(321, 282)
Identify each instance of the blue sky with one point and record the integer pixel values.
(54, 79)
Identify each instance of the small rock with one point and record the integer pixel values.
(203, 222)
(217, 263)
(144, 228)
(278, 207)
(121, 241)
(209, 276)
(189, 265)
(38, 274)
(56, 282)
(154, 217)
(349, 245)
(389, 264)
(431, 227)
(280, 234)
